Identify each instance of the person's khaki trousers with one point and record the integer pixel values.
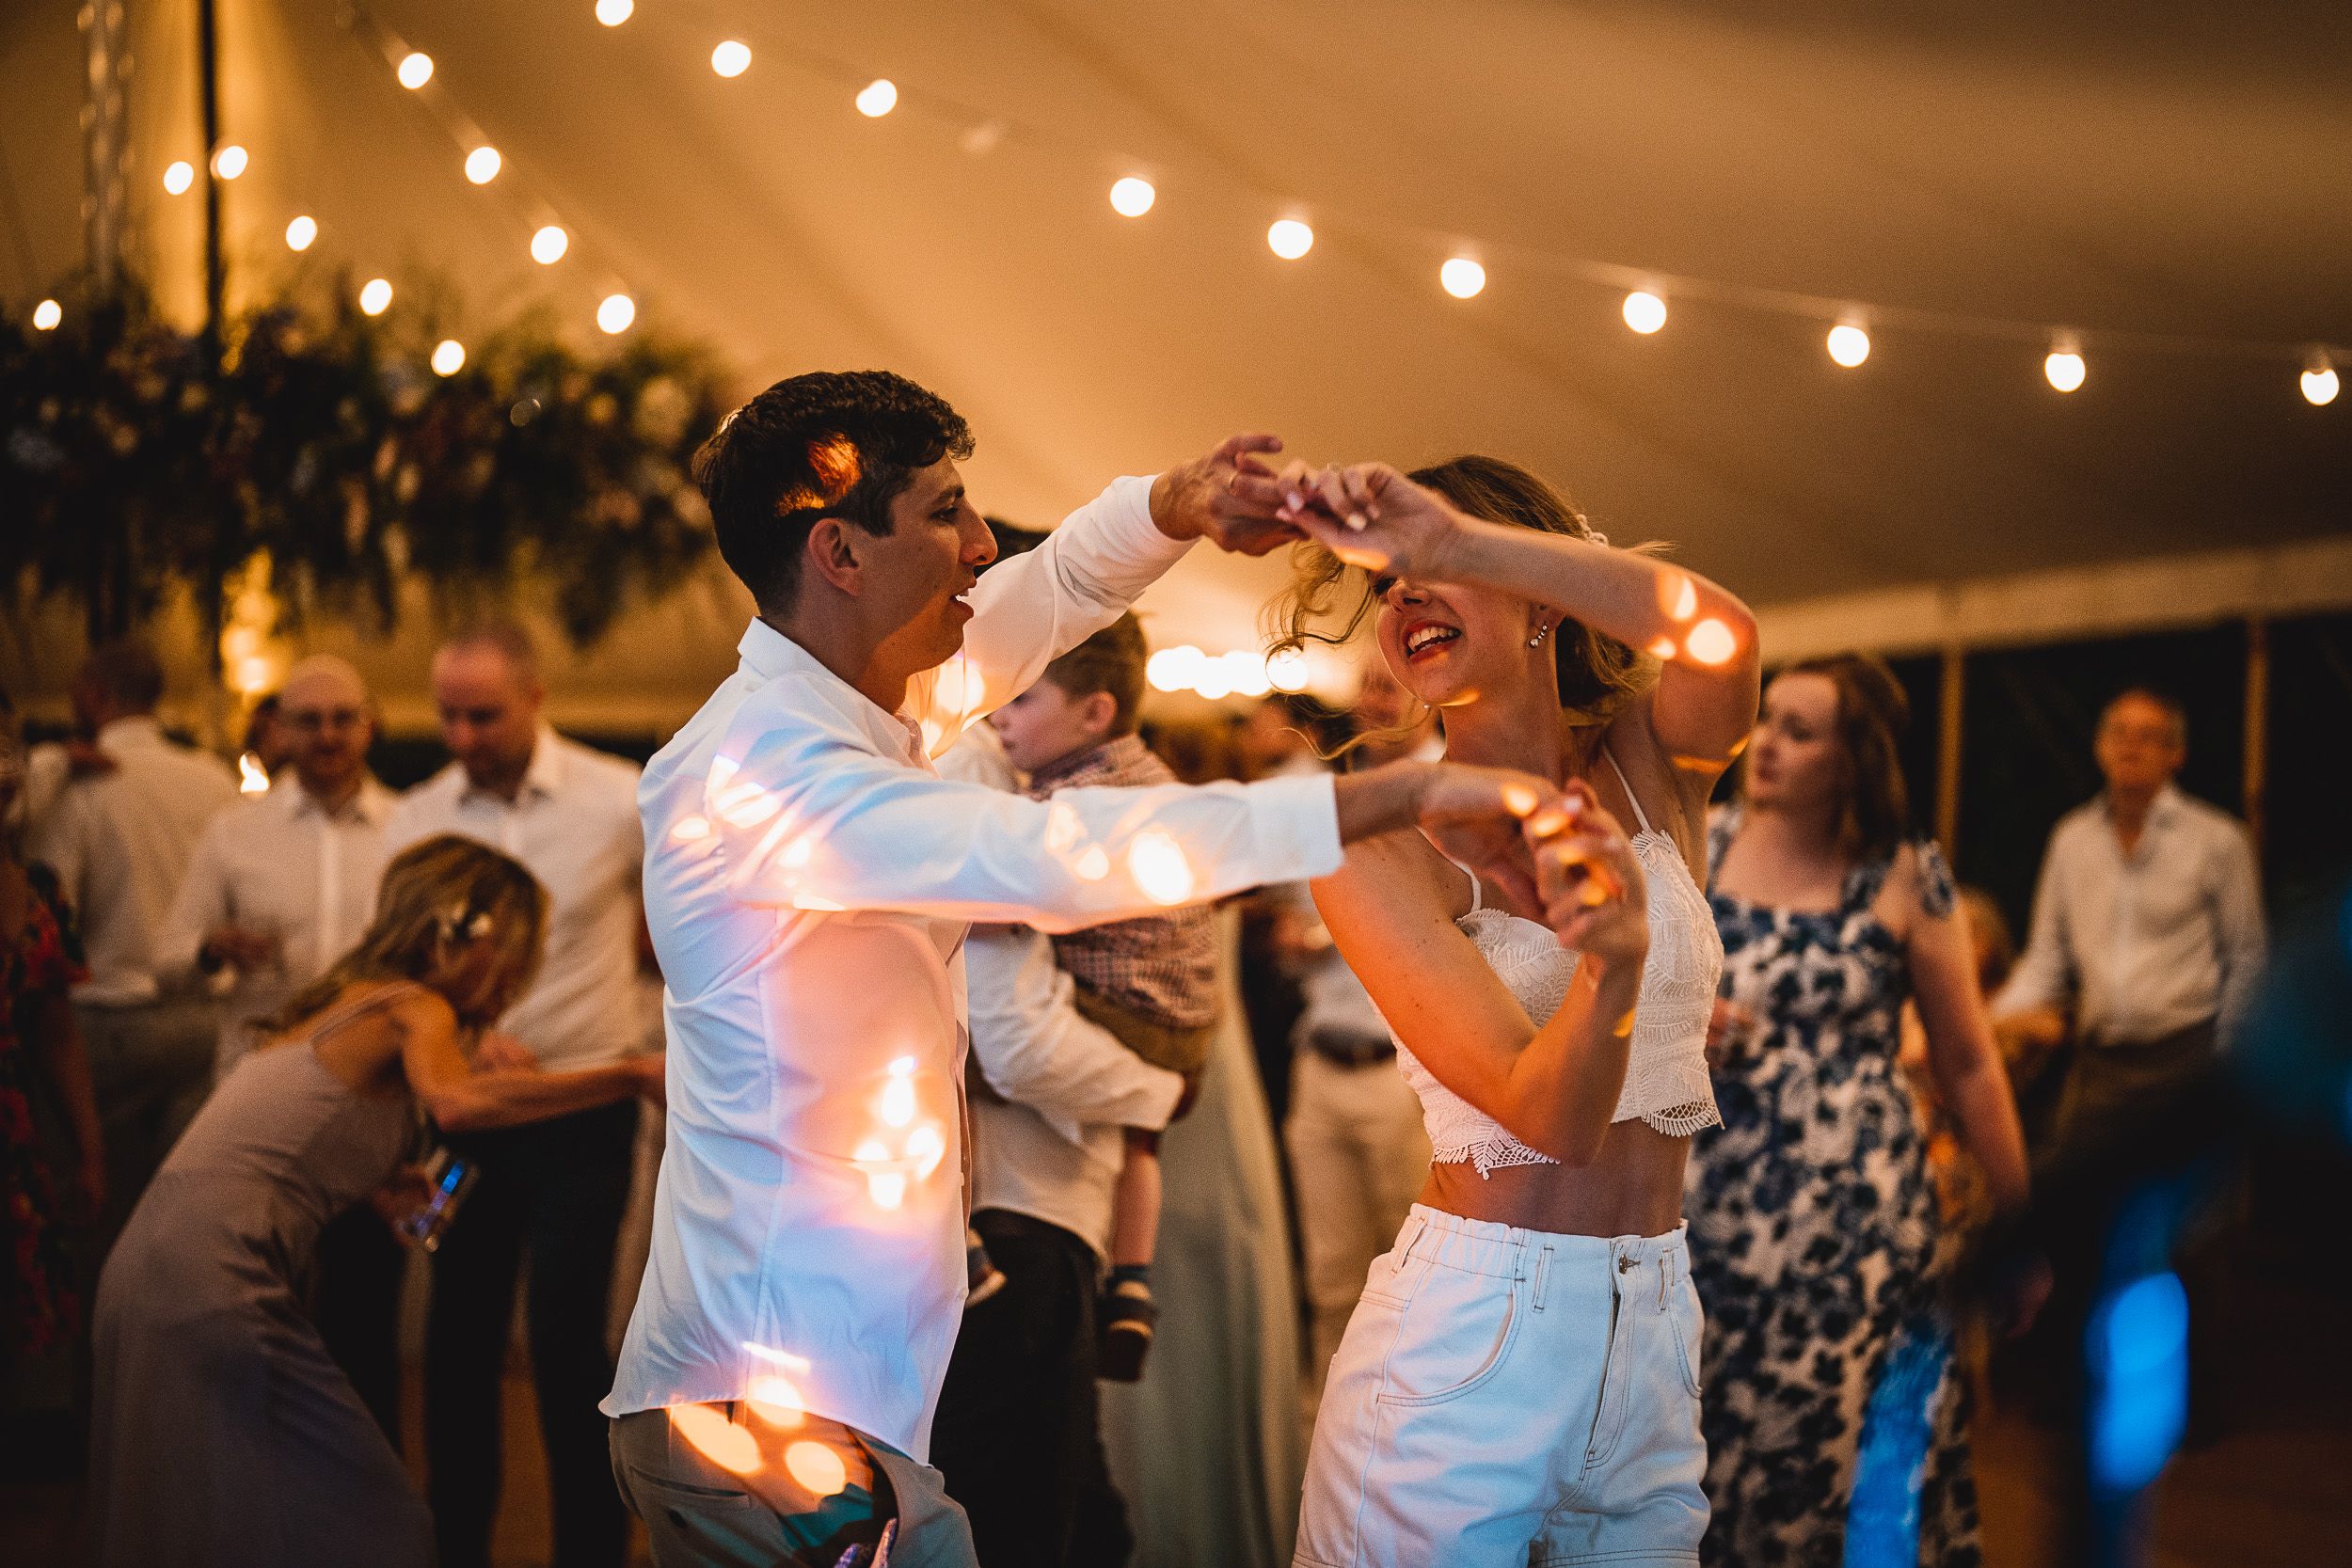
(1359, 1157)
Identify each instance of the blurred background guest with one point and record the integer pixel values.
(1358, 1150)
(2147, 927)
(1814, 1219)
(223, 1433)
(119, 838)
(268, 741)
(280, 886)
(53, 1170)
(559, 1187)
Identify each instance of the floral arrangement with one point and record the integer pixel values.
(133, 456)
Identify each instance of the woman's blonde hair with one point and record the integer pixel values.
(437, 895)
(1598, 674)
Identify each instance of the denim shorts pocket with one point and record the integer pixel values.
(1687, 1319)
(1450, 1342)
(1393, 1277)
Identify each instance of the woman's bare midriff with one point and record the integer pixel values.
(1633, 1187)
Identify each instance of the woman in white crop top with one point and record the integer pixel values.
(1519, 1375)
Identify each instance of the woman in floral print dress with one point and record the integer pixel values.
(1814, 1229)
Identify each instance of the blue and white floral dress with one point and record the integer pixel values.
(1813, 1232)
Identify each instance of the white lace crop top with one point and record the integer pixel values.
(1666, 1083)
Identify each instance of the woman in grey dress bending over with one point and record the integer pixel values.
(223, 1432)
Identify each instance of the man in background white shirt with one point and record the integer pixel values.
(282, 883)
(809, 882)
(556, 1188)
(2147, 925)
(119, 837)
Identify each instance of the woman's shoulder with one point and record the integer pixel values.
(1915, 876)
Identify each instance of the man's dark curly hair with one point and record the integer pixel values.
(829, 444)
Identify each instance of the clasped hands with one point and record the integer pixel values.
(1551, 847)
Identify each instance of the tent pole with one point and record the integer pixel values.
(2257, 774)
(105, 147)
(1955, 691)
(208, 92)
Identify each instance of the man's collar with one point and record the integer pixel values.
(372, 803)
(138, 729)
(771, 656)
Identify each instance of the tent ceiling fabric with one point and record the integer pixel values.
(2169, 168)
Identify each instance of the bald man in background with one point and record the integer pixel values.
(280, 886)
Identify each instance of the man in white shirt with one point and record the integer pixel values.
(119, 837)
(809, 881)
(282, 885)
(2147, 924)
(283, 881)
(556, 1187)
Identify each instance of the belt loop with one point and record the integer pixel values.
(1664, 1268)
(1542, 1273)
(1404, 1253)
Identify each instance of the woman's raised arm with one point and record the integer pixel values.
(1369, 515)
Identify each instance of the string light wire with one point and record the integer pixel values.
(984, 131)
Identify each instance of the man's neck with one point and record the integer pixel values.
(507, 782)
(333, 796)
(846, 650)
(2129, 810)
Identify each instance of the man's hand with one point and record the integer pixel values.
(237, 946)
(1228, 498)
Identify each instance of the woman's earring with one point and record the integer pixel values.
(1537, 640)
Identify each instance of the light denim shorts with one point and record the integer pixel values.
(1508, 1396)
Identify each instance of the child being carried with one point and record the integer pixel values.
(1150, 982)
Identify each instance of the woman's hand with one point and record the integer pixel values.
(1588, 880)
(1369, 515)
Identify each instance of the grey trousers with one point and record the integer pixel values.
(701, 1516)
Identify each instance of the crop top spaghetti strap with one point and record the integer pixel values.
(1666, 1082)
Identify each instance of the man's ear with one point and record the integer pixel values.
(832, 553)
(1100, 712)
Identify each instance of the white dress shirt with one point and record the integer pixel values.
(1053, 1147)
(281, 865)
(808, 878)
(574, 823)
(2150, 944)
(120, 841)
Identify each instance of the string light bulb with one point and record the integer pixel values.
(2320, 385)
(416, 70)
(229, 162)
(448, 357)
(1290, 239)
(300, 232)
(1645, 312)
(47, 314)
(374, 296)
(548, 245)
(1132, 198)
(615, 313)
(1462, 277)
(483, 165)
(731, 58)
(614, 12)
(2064, 365)
(1849, 344)
(179, 177)
(877, 98)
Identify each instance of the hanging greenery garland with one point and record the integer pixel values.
(323, 440)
